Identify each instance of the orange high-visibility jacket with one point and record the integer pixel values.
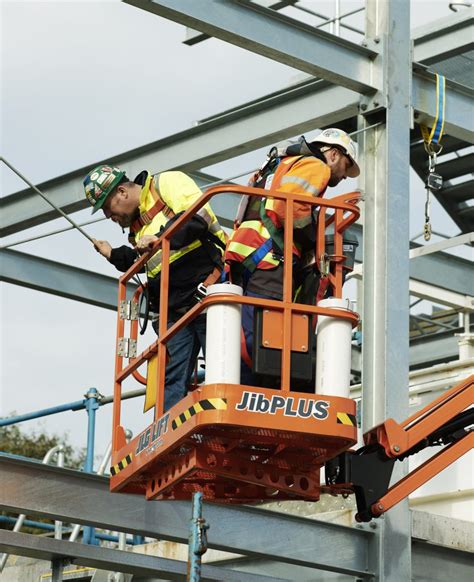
(295, 174)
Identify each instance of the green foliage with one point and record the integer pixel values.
(35, 445)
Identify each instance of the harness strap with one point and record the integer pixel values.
(159, 206)
(250, 263)
(214, 276)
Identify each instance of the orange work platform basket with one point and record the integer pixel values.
(236, 443)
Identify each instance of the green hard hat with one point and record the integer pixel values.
(99, 183)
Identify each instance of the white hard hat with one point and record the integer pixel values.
(338, 137)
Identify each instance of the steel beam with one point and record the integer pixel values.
(434, 275)
(443, 38)
(76, 497)
(443, 296)
(459, 113)
(273, 35)
(59, 279)
(425, 351)
(25, 209)
(437, 563)
(385, 319)
(438, 269)
(437, 348)
(41, 548)
(444, 271)
(278, 116)
(431, 292)
(243, 129)
(259, 123)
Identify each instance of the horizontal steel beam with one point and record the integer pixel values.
(446, 297)
(425, 351)
(438, 269)
(443, 38)
(436, 348)
(301, 108)
(273, 35)
(435, 562)
(459, 113)
(241, 130)
(443, 270)
(459, 166)
(430, 291)
(456, 241)
(59, 279)
(25, 209)
(460, 192)
(76, 497)
(41, 548)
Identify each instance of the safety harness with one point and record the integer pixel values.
(209, 243)
(146, 217)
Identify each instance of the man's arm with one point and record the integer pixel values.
(122, 258)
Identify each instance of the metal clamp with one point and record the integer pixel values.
(434, 182)
(127, 347)
(200, 546)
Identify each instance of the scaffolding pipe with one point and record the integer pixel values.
(58, 525)
(197, 539)
(92, 404)
(74, 406)
(77, 405)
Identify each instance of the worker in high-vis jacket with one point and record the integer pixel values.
(148, 205)
(255, 250)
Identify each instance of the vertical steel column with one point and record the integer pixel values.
(386, 164)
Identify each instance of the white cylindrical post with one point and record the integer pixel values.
(223, 330)
(333, 351)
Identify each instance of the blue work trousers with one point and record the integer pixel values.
(183, 349)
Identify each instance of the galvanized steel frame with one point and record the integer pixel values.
(77, 497)
(42, 548)
(368, 70)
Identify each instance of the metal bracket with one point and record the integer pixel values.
(128, 310)
(370, 104)
(127, 348)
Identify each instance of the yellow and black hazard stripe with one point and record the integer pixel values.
(120, 466)
(201, 406)
(347, 419)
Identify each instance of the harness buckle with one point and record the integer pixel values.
(201, 292)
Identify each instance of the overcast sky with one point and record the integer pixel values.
(82, 81)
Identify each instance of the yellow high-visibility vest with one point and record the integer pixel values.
(178, 191)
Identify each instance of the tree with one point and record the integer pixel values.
(35, 445)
